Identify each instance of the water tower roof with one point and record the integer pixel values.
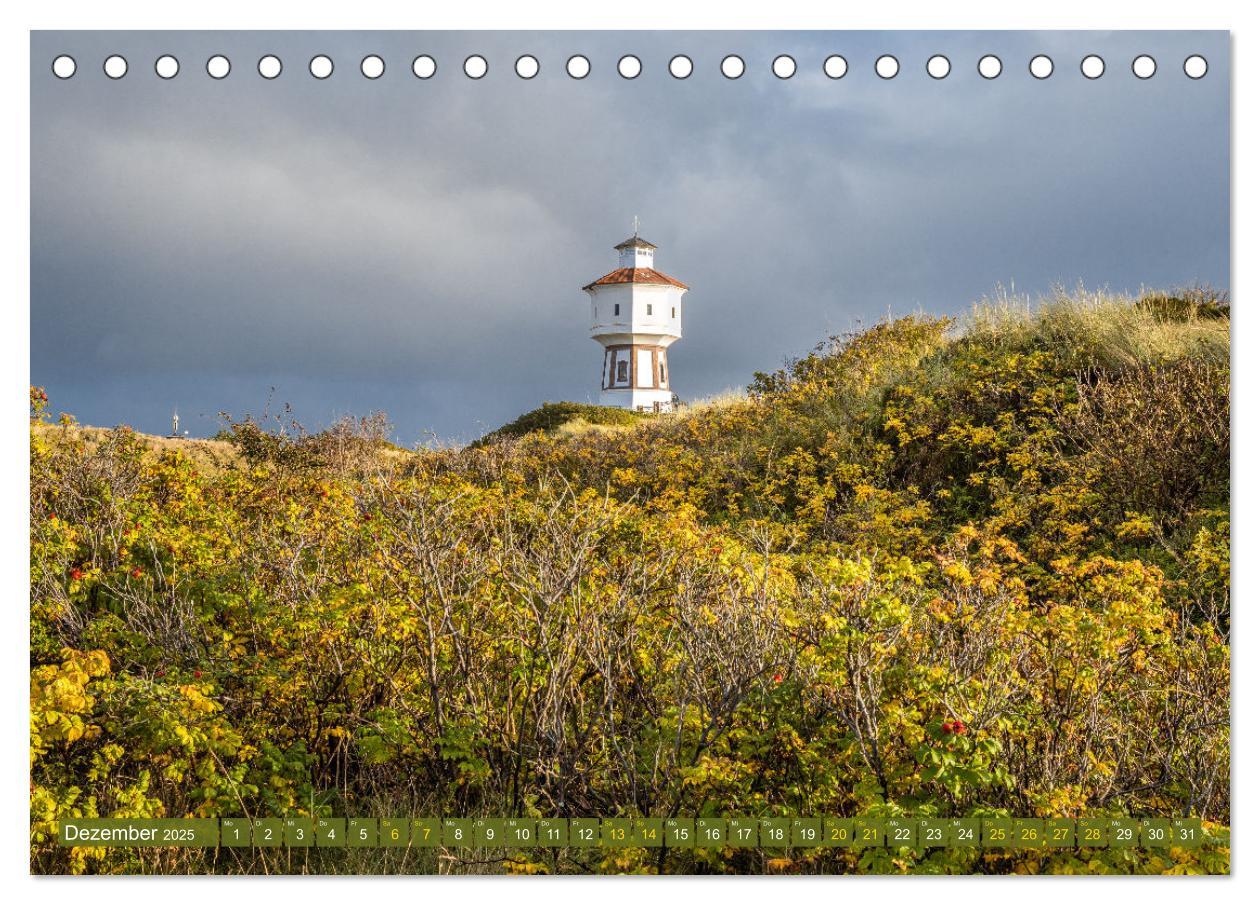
(636, 275)
(634, 242)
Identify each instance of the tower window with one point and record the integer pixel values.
(662, 373)
(623, 371)
(649, 309)
(616, 310)
(673, 312)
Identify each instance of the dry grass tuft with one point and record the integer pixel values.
(1101, 330)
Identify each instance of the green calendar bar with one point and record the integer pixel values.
(713, 833)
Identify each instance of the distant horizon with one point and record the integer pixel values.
(417, 247)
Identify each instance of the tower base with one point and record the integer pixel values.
(639, 400)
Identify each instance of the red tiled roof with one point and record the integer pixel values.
(636, 275)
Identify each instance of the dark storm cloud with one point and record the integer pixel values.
(418, 246)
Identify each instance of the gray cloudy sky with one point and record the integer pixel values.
(419, 246)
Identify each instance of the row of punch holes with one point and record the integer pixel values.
(527, 66)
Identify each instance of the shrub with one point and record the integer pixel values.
(552, 416)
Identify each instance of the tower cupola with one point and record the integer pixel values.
(636, 252)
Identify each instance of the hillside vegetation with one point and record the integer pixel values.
(934, 568)
(567, 417)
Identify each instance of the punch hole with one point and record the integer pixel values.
(166, 66)
(835, 66)
(938, 66)
(783, 67)
(629, 66)
(527, 66)
(270, 67)
(218, 66)
(1093, 66)
(423, 66)
(1041, 66)
(578, 66)
(476, 67)
(732, 66)
(989, 66)
(115, 66)
(887, 67)
(1195, 66)
(372, 66)
(321, 66)
(64, 66)
(680, 66)
(1144, 66)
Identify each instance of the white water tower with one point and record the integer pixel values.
(636, 314)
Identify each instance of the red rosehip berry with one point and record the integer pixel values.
(959, 727)
(137, 572)
(76, 574)
(196, 673)
(160, 673)
(947, 727)
(778, 677)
